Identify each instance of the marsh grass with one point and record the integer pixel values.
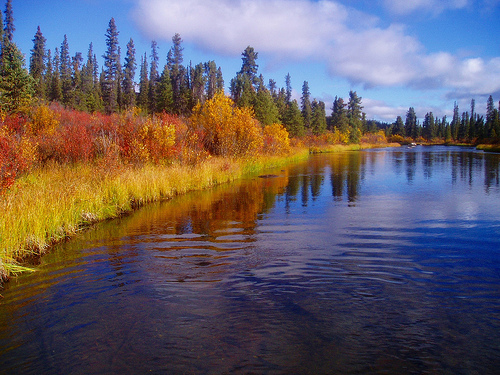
(57, 201)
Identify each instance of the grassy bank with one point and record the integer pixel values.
(57, 201)
(489, 148)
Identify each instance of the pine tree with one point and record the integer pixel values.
(354, 116)
(399, 127)
(293, 120)
(411, 123)
(264, 107)
(16, 85)
(65, 72)
(37, 63)
(142, 98)
(55, 90)
(9, 21)
(249, 67)
(318, 117)
(339, 115)
(198, 82)
(211, 80)
(306, 105)
(128, 85)
(164, 95)
(429, 127)
(177, 74)
(89, 84)
(110, 81)
(78, 98)
(154, 77)
(455, 123)
(288, 85)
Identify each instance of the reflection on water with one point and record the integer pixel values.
(384, 261)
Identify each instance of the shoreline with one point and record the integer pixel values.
(54, 203)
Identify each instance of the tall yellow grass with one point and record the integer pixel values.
(57, 201)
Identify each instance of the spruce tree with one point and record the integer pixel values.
(9, 21)
(318, 117)
(211, 79)
(154, 78)
(37, 63)
(339, 115)
(128, 76)
(111, 69)
(265, 108)
(16, 85)
(164, 95)
(306, 105)
(142, 98)
(293, 120)
(65, 72)
(354, 115)
(55, 90)
(288, 83)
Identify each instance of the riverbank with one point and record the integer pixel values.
(55, 202)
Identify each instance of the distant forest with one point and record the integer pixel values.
(78, 82)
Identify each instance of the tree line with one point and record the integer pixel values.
(79, 83)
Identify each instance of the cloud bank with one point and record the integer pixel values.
(351, 44)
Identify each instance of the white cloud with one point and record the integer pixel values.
(350, 43)
(404, 7)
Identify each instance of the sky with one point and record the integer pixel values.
(396, 54)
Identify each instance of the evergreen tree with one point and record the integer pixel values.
(37, 63)
(128, 76)
(154, 77)
(142, 98)
(293, 120)
(78, 98)
(110, 78)
(89, 84)
(339, 115)
(429, 127)
(354, 115)
(306, 105)
(318, 118)
(9, 21)
(492, 126)
(288, 87)
(211, 80)
(55, 89)
(177, 74)
(65, 72)
(16, 85)
(198, 82)
(265, 108)
(165, 95)
(411, 129)
(399, 127)
(249, 67)
(455, 123)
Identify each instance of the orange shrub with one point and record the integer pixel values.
(43, 120)
(225, 129)
(276, 140)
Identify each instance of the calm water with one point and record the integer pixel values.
(384, 261)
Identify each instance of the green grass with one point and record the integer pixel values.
(489, 148)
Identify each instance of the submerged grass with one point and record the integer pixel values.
(57, 201)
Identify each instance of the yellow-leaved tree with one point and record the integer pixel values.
(225, 129)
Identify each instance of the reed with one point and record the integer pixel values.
(57, 201)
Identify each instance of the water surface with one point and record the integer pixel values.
(381, 261)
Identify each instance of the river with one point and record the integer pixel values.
(382, 261)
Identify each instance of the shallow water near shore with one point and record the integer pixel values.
(379, 261)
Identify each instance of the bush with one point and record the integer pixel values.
(225, 129)
(276, 140)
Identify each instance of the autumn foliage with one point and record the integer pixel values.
(53, 134)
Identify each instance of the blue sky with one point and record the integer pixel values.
(394, 53)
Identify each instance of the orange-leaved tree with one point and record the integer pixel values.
(276, 139)
(225, 129)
